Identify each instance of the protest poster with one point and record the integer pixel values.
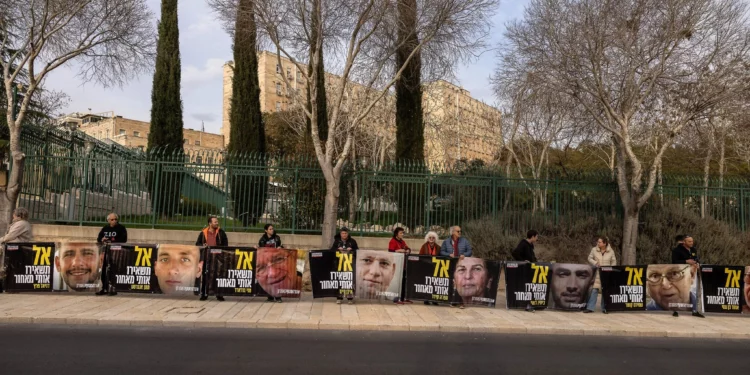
(623, 288)
(278, 272)
(671, 287)
(428, 278)
(475, 281)
(379, 274)
(526, 285)
(231, 271)
(570, 285)
(746, 293)
(332, 273)
(149, 268)
(78, 267)
(28, 267)
(722, 288)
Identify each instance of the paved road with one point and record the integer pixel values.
(40, 349)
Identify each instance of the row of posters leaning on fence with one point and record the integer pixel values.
(370, 275)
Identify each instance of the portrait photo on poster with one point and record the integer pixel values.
(178, 268)
(475, 281)
(746, 306)
(378, 274)
(570, 285)
(277, 273)
(78, 267)
(670, 287)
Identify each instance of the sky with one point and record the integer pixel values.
(205, 47)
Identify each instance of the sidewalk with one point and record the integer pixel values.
(151, 310)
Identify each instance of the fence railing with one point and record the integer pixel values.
(83, 189)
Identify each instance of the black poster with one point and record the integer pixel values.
(475, 281)
(570, 285)
(29, 267)
(231, 271)
(332, 273)
(722, 288)
(149, 268)
(526, 284)
(429, 278)
(623, 288)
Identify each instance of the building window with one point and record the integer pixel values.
(278, 106)
(278, 88)
(199, 159)
(197, 143)
(136, 134)
(107, 133)
(289, 73)
(122, 132)
(278, 68)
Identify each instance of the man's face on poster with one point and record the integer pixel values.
(747, 288)
(79, 264)
(571, 284)
(471, 277)
(277, 269)
(375, 271)
(669, 283)
(177, 268)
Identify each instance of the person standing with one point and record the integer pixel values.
(524, 252)
(18, 231)
(342, 242)
(211, 235)
(398, 245)
(601, 255)
(686, 253)
(456, 246)
(112, 232)
(269, 238)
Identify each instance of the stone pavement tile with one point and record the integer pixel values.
(506, 329)
(216, 310)
(334, 325)
(394, 326)
(303, 324)
(364, 326)
(453, 326)
(424, 326)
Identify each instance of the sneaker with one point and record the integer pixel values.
(698, 315)
(351, 302)
(112, 292)
(203, 298)
(434, 303)
(101, 293)
(398, 302)
(530, 309)
(338, 301)
(675, 314)
(220, 298)
(426, 302)
(604, 312)
(587, 311)
(461, 306)
(270, 299)
(408, 301)
(278, 299)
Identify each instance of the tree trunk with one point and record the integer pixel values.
(630, 236)
(9, 195)
(330, 211)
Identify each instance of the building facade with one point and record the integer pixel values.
(133, 133)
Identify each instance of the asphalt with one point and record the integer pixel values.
(81, 350)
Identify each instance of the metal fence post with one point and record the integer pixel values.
(681, 194)
(84, 186)
(742, 209)
(428, 184)
(363, 215)
(156, 193)
(557, 201)
(494, 197)
(294, 199)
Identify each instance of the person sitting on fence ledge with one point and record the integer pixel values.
(112, 232)
(18, 231)
(211, 235)
(601, 255)
(456, 246)
(398, 245)
(524, 252)
(686, 253)
(269, 238)
(430, 247)
(342, 242)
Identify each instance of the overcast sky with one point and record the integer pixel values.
(204, 47)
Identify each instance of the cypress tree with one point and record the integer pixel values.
(165, 132)
(245, 119)
(409, 122)
(320, 82)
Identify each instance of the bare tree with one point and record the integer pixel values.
(366, 38)
(642, 69)
(109, 40)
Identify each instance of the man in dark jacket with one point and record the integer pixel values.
(524, 252)
(686, 253)
(342, 242)
(270, 238)
(525, 249)
(113, 232)
(211, 235)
